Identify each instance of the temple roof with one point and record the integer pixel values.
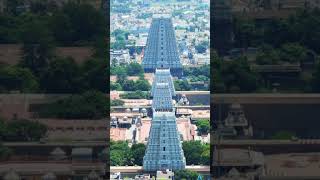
(162, 98)
(163, 76)
(161, 50)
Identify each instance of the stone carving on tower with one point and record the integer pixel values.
(161, 49)
(164, 148)
(163, 76)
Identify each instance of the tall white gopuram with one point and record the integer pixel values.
(164, 149)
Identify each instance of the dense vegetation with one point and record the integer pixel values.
(301, 28)
(123, 84)
(5, 153)
(116, 102)
(132, 69)
(122, 154)
(202, 47)
(60, 75)
(21, 130)
(39, 31)
(135, 95)
(233, 76)
(196, 153)
(288, 41)
(121, 37)
(203, 126)
(71, 24)
(192, 77)
(186, 175)
(89, 105)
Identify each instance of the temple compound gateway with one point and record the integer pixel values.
(161, 49)
(164, 149)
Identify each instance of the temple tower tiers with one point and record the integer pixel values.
(161, 49)
(163, 76)
(164, 149)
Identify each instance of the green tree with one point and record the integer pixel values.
(216, 81)
(246, 33)
(192, 152)
(237, 73)
(196, 153)
(61, 76)
(115, 86)
(40, 7)
(128, 85)
(203, 126)
(84, 28)
(24, 130)
(283, 135)
(205, 154)
(120, 153)
(62, 29)
(38, 45)
(138, 151)
(5, 153)
(202, 47)
(293, 53)
(134, 69)
(120, 71)
(12, 6)
(94, 74)
(117, 102)
(186, 175)
(3, 129)
(9, 29)
(88, 105)
(181, 85)
(316, 79)
(101, 46)
(267, 55)
(142, 85)
(17, 78)
(119, 44)
(135, 95)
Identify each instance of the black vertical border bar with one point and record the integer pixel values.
(106, 9)
(211, 87)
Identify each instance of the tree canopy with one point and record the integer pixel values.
(196, 153)
(88, 105)
(234, 76)
(186, 175)
(22, 130)
(121, 154)
(203, 126)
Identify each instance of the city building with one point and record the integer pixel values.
(165, 175)
(161, 50)
(119, 57)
